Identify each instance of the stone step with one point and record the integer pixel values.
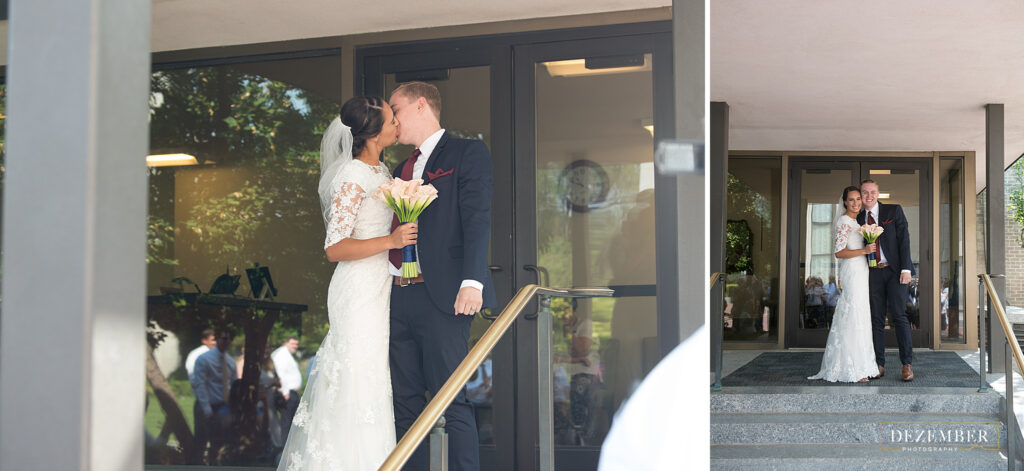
(849, 457)
(823, 428)
(966, 402)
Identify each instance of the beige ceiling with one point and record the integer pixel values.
(187, 24)
(876, 75)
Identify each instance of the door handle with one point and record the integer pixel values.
(541, 274)
(491, 317)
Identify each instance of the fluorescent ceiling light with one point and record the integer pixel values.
(648, 124)
(880, 172)
(883, 196)
(578, 67)
(170, 160)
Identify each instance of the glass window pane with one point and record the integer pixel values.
(951, 251)
(752, 249)
(242, 194)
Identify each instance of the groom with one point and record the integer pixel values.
(431, 314)
(887, 282)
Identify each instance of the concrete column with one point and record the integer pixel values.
(690, 105)
(995, 230)
(72, 344)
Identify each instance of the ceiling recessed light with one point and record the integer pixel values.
(170, 160)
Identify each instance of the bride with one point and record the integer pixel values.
(849, 352)
(345, 419)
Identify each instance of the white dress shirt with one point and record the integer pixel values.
(287, 369)
(427, 148)
(190, 360)
(207, 379)
(874, 215)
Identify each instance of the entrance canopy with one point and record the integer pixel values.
(188, 24)
(873, 75)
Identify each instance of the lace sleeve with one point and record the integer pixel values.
(345, 202)
(842, 237)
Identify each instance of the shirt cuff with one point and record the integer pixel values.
(904, 271)
(472, 283)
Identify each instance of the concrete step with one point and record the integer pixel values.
(830, 400)
(848, 457)
(852, 428)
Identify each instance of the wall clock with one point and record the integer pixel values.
(585, 184)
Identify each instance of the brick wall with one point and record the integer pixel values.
(1014, 251)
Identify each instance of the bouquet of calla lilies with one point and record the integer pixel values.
(407, 199)
(871, 232)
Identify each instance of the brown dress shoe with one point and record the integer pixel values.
(908, 373)
(881, 372)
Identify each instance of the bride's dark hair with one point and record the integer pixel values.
(364, 116)
(846, 192)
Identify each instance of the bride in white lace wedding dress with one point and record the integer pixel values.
(849, 351)
(345, 419)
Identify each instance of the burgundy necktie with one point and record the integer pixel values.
(395, 255)
(878, 247)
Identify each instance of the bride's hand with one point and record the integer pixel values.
(403, 235)
(870, 248)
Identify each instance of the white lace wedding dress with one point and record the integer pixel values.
(849, 350)
(345, 420)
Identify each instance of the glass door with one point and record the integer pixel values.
(472, 84)
(587, 115)
(815, 190)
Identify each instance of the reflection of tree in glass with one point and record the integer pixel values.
(745, 200)
(738, 242)
(253, 200)
(267, 133)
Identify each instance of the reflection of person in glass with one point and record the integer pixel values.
(215, 372)
(815, 303)
(747, 309)
(831, 297)
(584, 371)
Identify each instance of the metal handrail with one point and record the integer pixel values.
(714, 279)
(1011, 352)
(1004, 323)
(444, 397)
(717, 321)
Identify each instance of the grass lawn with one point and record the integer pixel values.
(155, 417)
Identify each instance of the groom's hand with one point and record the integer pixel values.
(905, 278)
(468, 301)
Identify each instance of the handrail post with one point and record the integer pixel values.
(982, 308)
(718, 326)
(439, 446)
(545, 399)
(1011, 417)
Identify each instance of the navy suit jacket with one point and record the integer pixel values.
(895, 239)
(455, 230)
